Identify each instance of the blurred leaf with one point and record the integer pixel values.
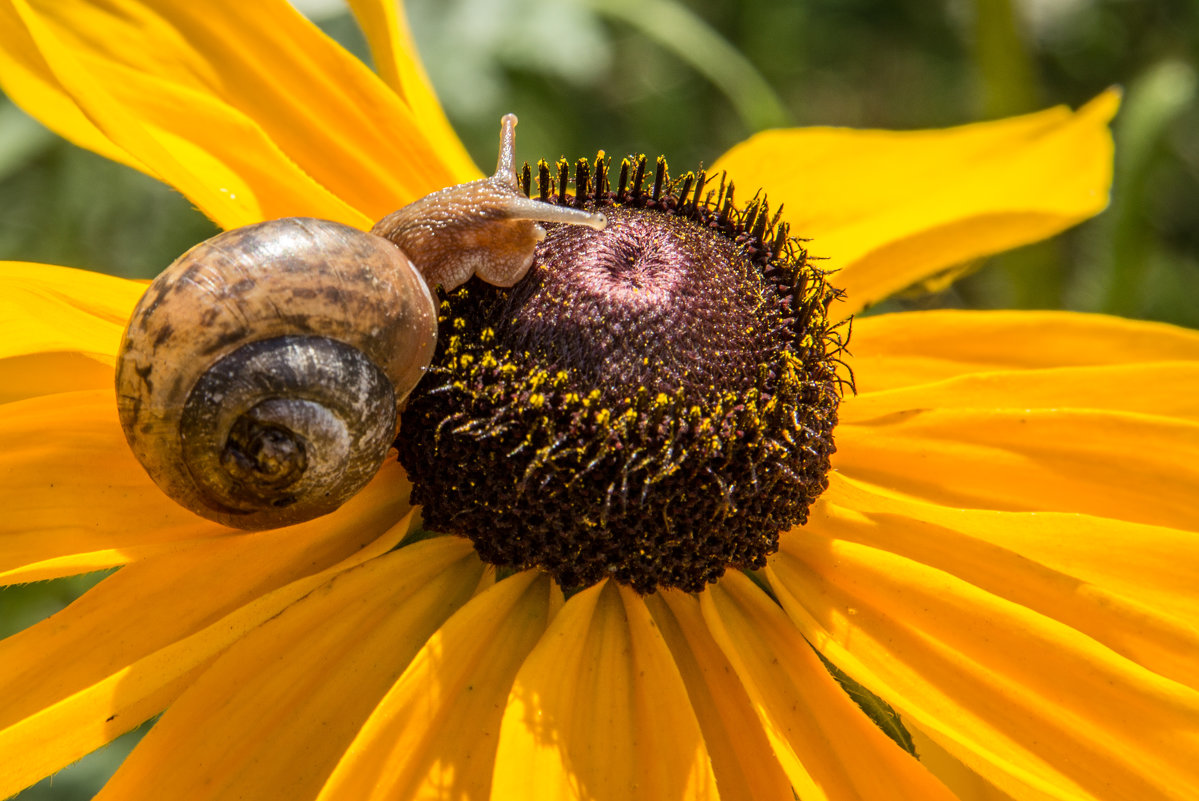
(1155, 100)
(1005, 69)
(21, 139)
(692, 40)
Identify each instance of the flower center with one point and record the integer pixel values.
(654, 402)
(651, 302)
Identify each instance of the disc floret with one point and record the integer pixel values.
(654, 402)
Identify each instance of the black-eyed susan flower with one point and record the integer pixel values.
(1005, 552)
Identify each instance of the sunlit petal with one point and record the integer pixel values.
(828, 746)
(742, 758)
(386, 29)
(1053, 460)
(433, 736)
(1022, 646)
(62, 328)
(1087, 572)
(963, 782)
(599, 711)
(76, 488)
(1162, 388)
(46, 308)
(125, 649)
(246, 108)
(322, 664)
(897, 350)
(23, 377)
(81, 502)
(888, 209)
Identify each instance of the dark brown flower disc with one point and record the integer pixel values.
(654, 402)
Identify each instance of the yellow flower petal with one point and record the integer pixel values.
(62, 328)
(828, 746)
(434, 734)
(130, 645)
(1049, 460)
(23, 377)
(1128, 586)
(897, 350)
(75, 488)
(81, 502)
(246, 108)
(320, 666)
(889, 209)
(744, 762)
(49, 308)
(965, 784)
(386, 29)
(599, 711)
(1023, 669)
(1167, 389)
(24, 73)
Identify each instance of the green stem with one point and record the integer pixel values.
(1006, 74)
(1008, 86)
(1155, 100)
(678, 30)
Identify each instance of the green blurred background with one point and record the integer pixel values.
(690, 79)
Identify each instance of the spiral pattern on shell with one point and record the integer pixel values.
(260, 375)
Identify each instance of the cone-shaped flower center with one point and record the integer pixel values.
(651, 302)
(654, 402)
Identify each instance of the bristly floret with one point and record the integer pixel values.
(653, 403)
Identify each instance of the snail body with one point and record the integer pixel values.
(261, 374)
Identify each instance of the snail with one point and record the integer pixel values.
(260, 376)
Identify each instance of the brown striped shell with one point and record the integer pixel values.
(260, 376)
(261, 372)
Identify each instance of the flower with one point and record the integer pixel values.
(1006, 552)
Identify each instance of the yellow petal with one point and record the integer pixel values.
(961, 780)
(827, 745)
(246, 108)
(49, 308)
(1122, 465)
(76, 500)
(44, 75)
(434, 734)
(1020, 663)
(897, 350)
(1167, 389)
(23, 377)
(599, 711)
(1128, 586)
(25, 77)
(742, 759)
(888, 209)
(72, 487)
(396, 60)
(273, 714)
(62, 328)
(129, 646)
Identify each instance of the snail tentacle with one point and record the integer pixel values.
(486, 227)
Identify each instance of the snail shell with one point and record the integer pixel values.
(261, 374)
